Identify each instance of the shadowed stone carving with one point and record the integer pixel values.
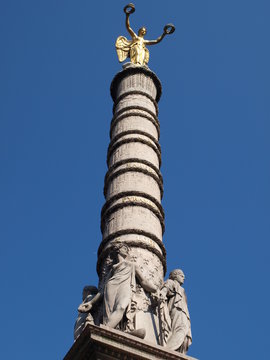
(177, 328)
(89, 292)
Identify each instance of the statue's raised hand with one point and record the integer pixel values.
(169, 29)
(129, 9)
(85, 307)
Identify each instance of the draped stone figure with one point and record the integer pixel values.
(119, 290)
(175, 313)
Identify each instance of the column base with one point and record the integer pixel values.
(103, 343)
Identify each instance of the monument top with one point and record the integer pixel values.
(135, 48)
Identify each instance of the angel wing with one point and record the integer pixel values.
(122, 45)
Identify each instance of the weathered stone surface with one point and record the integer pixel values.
(128, 76)
(133, 189)
(103, 343)
(133, 185)
(134, 122)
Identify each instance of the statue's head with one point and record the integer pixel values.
(122, 249)
(142, 31)
(89, 290)
(177, 275)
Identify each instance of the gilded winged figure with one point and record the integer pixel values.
(135, 48)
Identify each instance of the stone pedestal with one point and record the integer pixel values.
(102, 343)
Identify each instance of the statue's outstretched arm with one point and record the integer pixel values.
(168, 29)
(86, 307)
(153, 42)
(129, 9)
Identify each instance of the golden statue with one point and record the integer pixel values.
(135, 49)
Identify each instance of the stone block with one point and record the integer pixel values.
(103, 343)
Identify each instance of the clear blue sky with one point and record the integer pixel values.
(57, 62)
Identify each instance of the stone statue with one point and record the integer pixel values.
(135, 48)
(176, 314)
(121, 286)
(119, 289)
(89, 292)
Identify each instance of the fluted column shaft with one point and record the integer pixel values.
(133, 185)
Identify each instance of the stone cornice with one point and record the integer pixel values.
(101, 342)
(130, 70)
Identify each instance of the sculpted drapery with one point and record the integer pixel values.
(175, 313)
(119, 289)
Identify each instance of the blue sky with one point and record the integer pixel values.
(57, 62)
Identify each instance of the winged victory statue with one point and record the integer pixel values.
(135, 48)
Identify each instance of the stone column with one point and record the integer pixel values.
(132, 215)
(133, 185)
